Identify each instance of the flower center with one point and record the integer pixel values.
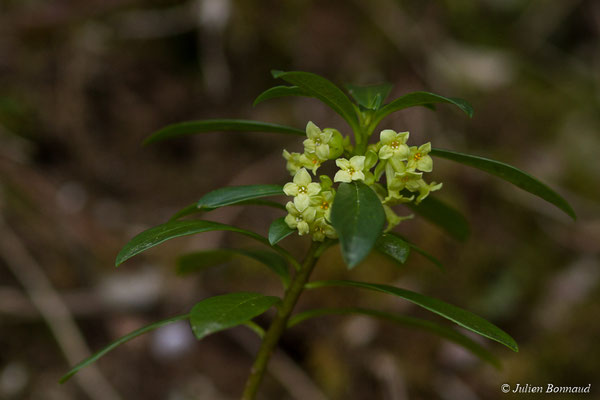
(318, 141)
(299, 218)
(395, 145)
(418, 156)
(324, 205)
(351, 170)
(302, 189)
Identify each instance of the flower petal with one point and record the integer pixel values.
(312, 131)
(342, 163)
(291, 189)
(302, 201)
(323, 151)
(387, 136)
(425, 164)
(358, 176)
(342, 176)
(358, 163)
(385, 152)
(302, 177)
(313, 189)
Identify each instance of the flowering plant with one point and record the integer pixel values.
(354, 209)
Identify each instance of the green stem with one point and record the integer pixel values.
(279, 323)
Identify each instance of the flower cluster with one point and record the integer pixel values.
(403, 167)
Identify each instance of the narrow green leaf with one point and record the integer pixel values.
(394, 247)
(119, 342)
(411, 322)
(215, 125)
(510, 174)
(370, 97)
(358, 218)
(200, 260)
(218, 313)
(173, 229)
(322, 89)
(420, 99)
(279, 230)
(464, 318)
(235, 194)
(446, 217)
(280, 91)
(193, 208)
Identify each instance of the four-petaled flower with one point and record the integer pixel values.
(394, 145)
(425, 189)
(300, 220)
(419, 158)
(323, 203)
(318, 141)
(302, 188)
(350, 170)
(322, 229)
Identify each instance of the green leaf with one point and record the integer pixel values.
(280, 91)
(199, 260)
(213, 125)
(411, 322)
(279, 230)
(446, 217)
(235, 194)
(394, 247)
(173, 229)
(193, 208)
(370, 97)
(510, 174)
(358, 218)
(324, 90)
(461, 317)
(218, 313)
(119, 342)
(420, 99)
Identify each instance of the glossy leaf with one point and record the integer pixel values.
(322, 89)
(509, 174)
(464, 318)
(446, 217)
(420, 99)
(235, 194)
(280, 91)
(358, 218)
(199, 260)
(370, 97)
(279, 230)
(173, 229)
(119, 342)
(394, 247)
(216, 125)
(218, 313)
(411, 322)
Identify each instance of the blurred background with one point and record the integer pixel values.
(82, 83)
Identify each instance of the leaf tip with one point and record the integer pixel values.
(276, 73)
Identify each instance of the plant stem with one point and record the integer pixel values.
(278, 325)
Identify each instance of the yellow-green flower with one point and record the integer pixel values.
(322, 229)
(302, 188)
(350, 170)
(300, 220)
(322, 203)
(392, 218)
(318, 141)
(419, 158)
(393, 144)
(425, 189)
